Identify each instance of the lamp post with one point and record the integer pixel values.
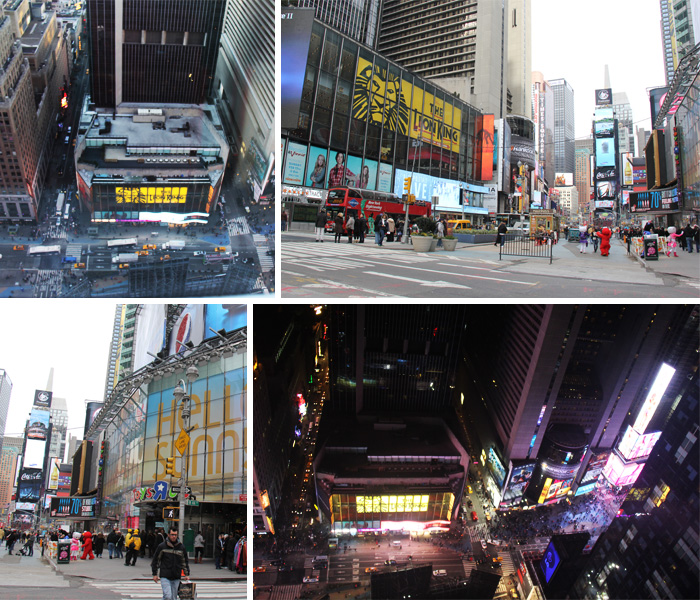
(184, 399)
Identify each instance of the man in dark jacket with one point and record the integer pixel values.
(171, 559)
(229, 551)
(219, 549)
(112, 543)
(501, 235)
(320, 225)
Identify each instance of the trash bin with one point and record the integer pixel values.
(63, 553)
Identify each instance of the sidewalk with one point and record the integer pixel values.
(21, 571)
(105, 569)
(567, 262)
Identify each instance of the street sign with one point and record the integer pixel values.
(193, 503)
(176, 489)
(181, 442)
(171, 513)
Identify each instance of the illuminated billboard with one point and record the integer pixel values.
(189, 327)
(374, 504)
(224, 316)
(382, 98)
(619, 473)
(605, 152)
(550, 562)
(656, 392)
(34, 452)
(38, 428)
(296, 34)
(484, 147)
(42, 399)
(54, 472)
(635, 445)
(151, 195)
(563, 179)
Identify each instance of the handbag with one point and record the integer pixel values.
(187, 591)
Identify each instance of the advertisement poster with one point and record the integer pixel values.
(294, 164)
(384, 178)
(34, 454)
(38, 424)
(605, 152)
(340, 174)
(563, 179)
(42, 399)
(368, 176)
(355, 167)
(54, 472)
(318, 165)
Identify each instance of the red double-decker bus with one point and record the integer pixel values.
(353, 201)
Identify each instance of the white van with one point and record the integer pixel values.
(396, 544)
(522, 227)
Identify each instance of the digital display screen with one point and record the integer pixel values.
(550, 562)
(605, 152)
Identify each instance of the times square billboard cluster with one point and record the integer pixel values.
(606, 167)
(619, 467)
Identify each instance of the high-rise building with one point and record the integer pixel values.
(34, 76)
(650, 551)
(59, 427)
(12, 447)
(160, 51)
(569, 200)
(680, 29)
(114, 350)
(543, 116)
(358, 19)
(519, 80)
(244, 84)
(5, 393)
(583, 150)
(461, 46)
(564, 126)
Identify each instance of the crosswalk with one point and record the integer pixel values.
(286, 592)
(261, 247)
(150, 590)
(75, 250)
(48, 283)
(237, 226)
(57, 232)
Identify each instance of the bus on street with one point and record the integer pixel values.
(122, 243)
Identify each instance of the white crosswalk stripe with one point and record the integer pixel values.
(48, 283)
(237, 226)
(75, 250)
(286, 592)
(262, 246)
(149, 590)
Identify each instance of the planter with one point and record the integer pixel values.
(433, 244)
(474, 238)
(421, 243)
(449, 245)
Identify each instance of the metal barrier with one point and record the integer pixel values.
(525, 245)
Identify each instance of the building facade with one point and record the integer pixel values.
(543, 116)
(11, 449)
(680, 27)
(5, 394)
(564, 126)
(153, 52)
(358, 19)
(59, 428)
(582, 173)
(519, 81)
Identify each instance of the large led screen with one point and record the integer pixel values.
(38, 424)
(605, 152)
(550, 562)
(296, 35)
(34, 453)
(656, 392)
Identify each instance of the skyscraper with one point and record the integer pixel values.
(583, 149)
(11, 448)
(5, 393)
(543, 116)
(157, 51)
(519, 79)
(564, 126)
(59, 428)
(461, 46)
(680, 28)
(358, 19)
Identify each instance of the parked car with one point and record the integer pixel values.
(259, 569)
(310, 579)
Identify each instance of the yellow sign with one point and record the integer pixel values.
(381, 98)
(181, 442)
(151, 195)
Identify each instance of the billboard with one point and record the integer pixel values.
(426, 187)
(91, 410)
(318, 163)
(603, 97)
(605, 152)
(294, 162)
(189, 327)
(42, 399)
(563, 179)
(550, 562)
(484, 135)
(29, 487)
(606, 190)
(34, 452)
(656, 392)
(296, 28)
(381, 98)
(620, 473)
(38, 428)
(150, 334)
(656, 101)
(73, 507)
(225, 316)
(635, 445)
(54, 472)
(656, 200)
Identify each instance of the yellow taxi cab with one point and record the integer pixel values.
(220, 249)
(124, 266)
(149, 246)
(142, 252)
(19, 247)
(78, 265)
(459, 225)
(166, 257)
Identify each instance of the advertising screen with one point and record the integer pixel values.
(296, 28)
(189, 327)
(91, 410)
(42, 399)
(604, 129)
(34, 452)
(604, 114)
(384, 178)
(484, 147)
(354, 166)
(230, 317)
(150, 334)
(368, 175)
(656, 101)
(425, 187)
(38, 424)
(606, 190)
(294, 162)
(603, 96)
(550, 562)
(656, 392)
(619, 473)
(605, 152)
(54, 472)
(73, 507)
(318, 164)
(563, 179)
(29, 491)
(634, 445)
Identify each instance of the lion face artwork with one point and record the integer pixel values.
(378, 99)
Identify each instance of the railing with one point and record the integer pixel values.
(530, 246)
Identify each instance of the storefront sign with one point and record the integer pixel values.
(159, 491)
(73, 507)
(654, 201)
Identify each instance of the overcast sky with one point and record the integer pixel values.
(575, 40)
(73, 336)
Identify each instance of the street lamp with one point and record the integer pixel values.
(185, 399)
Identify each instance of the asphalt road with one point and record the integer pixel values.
(312, 270)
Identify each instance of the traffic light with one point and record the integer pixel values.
(170, 466)
(407, 185)
(171, 513)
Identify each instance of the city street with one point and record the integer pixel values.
(311, 269)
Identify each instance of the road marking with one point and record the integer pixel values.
(443, 284)
(473, 276)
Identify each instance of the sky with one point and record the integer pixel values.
(575, 40)
(72, 336)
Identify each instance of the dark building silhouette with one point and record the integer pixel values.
(153, 51)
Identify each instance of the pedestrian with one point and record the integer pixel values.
(501, 234)
(119, 544)
(380, 227)
(229, 548)
(361, 228)
(285, 218)
(75, 546)
(219, 549)
(350, 226)
(133, 544)
(593, 233)
(198, 547)
(338, 227)
(688, 234)
(170, 561)
(391, 229)
(112, 538)
(671, 244)
(99, 544)
(87, 546)
(320, 225)
(582, 239)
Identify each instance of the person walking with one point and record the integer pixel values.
(338, 227)
(320, 225)
(501, 234)
(99, 544)
(134, 545)
(112, 543)
(198, 547)
(380, 227)
(350, 226)
(391, 226)
(688, 233)
(168, 564)
(360, 228)
(219, 549)
(120, 544)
